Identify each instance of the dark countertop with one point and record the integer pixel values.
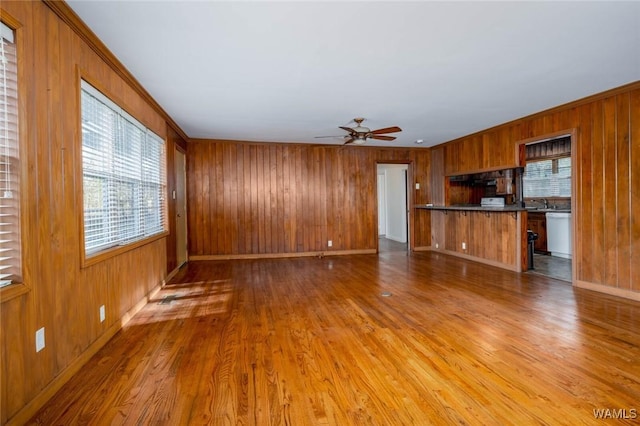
(472, 207)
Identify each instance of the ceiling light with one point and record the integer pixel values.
(419, 141)
(359, 140)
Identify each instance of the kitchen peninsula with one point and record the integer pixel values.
(493, 235)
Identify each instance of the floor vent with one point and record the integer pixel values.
(168, 299)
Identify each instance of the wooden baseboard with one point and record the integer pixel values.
(422, 248)
(612, 291)
(281, 255)
(171, 275)
(513, 268)
(29, 410)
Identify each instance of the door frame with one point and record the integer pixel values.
(520, 158)
(382, 178)
(409, 198)
(179, 153)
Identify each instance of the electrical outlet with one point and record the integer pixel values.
(40, 340)
(417, 185)
(464, 246)
(329, 243)
(437, 245)
(102, 313)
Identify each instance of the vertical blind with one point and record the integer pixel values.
(10, 262)
(124, 184)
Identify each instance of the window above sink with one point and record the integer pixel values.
(547, 178)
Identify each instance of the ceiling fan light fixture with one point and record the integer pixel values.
(359, 135)
(359, 140)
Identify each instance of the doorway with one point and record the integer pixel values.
(181, 207)
(393, 207)
(547, 190)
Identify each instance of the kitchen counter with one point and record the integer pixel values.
(472, 207)
(496, 236)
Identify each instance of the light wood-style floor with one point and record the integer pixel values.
(313, 341)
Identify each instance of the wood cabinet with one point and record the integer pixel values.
(493, 151)
(537, 222)
(504, 186)
(463, 156)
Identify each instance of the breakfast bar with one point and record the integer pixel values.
(493, 235)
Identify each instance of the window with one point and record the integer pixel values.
(547, 178)
(123, 170)
(10, 260)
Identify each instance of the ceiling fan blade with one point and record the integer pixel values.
(348, 141)
(348, 129)
(382, 138)
(392, 129)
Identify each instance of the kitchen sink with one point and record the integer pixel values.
(543, 210)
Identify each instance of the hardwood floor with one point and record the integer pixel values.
(313, 341)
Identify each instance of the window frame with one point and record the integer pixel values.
(88, 259)
(17, 289)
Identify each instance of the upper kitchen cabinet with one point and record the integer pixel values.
(499, 149)
(463, 156)
(491, 151)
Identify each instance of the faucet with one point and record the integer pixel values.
(546, 203)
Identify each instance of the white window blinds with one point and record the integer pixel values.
(547, 178)
(124, 181)
(10, 262)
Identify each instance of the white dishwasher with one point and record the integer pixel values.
(559, 234)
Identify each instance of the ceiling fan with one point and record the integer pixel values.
(359, 134)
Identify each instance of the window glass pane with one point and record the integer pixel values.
(547, 178)
(123, 175)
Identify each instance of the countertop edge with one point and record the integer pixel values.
(508, 209)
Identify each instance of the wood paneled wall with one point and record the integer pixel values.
(63, 297)
(251, 198)
(606, 173)
(607, 197)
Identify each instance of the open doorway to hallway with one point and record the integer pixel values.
(393, 224)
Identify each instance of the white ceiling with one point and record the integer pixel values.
(289, 71)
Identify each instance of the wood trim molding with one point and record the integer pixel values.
(171, 275)
(12, 291)
(101, 256)
(66, 14)
(281, 255)
(514, 268)
(612, 291)
(316, 145)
